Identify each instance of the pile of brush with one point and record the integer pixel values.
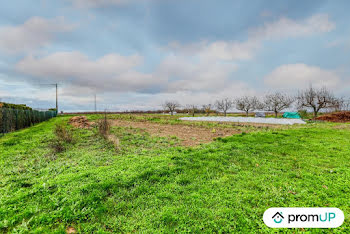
(340, 117)
(80, 122)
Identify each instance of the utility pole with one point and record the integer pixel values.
(56, 97)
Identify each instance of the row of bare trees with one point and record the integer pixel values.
(311, 99)
(275, 103)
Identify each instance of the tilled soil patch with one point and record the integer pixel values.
(190, 135)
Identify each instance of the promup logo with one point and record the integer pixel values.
(303, 217)
(278, 217)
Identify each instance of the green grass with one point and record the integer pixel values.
(152, 186)
(174, 120)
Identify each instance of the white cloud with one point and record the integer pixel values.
(185, 74)
(203, 67)
(116, 73)
(300, 76)
(229, 51)
(217, 50)
(209, 65)
(288, 28)
(246, 50)
(111, 72)
(190, 73)
(36, 32)
(98, 3)
(135, 101)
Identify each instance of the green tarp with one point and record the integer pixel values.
(291, 115)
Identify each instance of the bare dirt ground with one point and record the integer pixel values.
(190, 135)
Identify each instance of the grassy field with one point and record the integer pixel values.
(151, 184)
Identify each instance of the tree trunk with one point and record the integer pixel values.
(315, 113)
(276, 113)
(225, 113)
(247, 113)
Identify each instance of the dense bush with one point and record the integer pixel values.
(303, 114)
(14, 106)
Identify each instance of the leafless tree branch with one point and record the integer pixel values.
(171, 106)
(277, 102)
(207, 108)
(191, 109)
(224, 105)
(248, 104)
(316, 99)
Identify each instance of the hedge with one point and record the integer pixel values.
(15, 119)
(14, 106)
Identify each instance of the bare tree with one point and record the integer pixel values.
(248, 104)
(277, 102)
(224, 105)
(346, 105)
(207, 108)
(171, 106)
(191, 109)
(316, 99)
(340, 104)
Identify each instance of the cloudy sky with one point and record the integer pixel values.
(134, 54)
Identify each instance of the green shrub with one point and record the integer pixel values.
(303, 114)
(15, 106)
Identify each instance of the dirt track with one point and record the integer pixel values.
(190, 135)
